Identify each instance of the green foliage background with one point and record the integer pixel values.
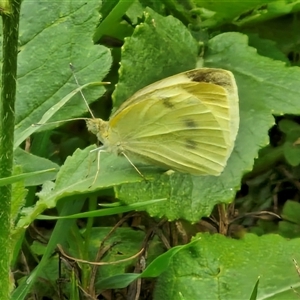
(132, 44)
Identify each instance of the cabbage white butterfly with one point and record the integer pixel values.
(187, 122)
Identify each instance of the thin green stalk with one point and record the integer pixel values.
(86, 270)
(10, 18)
(113, 17)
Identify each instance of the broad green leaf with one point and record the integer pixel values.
(38, 169)
(187, 196)
(217, 267)
(165, 47)
(75, 178)
(47, 46)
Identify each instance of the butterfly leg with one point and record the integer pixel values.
(91, 160)
(134, 166)
(98, 168)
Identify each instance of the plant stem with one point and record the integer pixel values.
(7, 121)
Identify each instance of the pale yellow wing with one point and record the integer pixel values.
(182, 122)
(219, 77)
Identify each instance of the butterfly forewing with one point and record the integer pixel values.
(176, 128)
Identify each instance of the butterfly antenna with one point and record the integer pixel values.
(76, 80)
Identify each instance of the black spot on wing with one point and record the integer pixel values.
(215, 76)
(190, 123)
(190, 144)
(167, 102)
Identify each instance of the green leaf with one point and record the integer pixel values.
(36, 169)
(289, 227)
(266, 47)
(241, 13)
(150, 39)
(217, 267)
(76, 178)
(291, 211)
(47, 46)
(185, 194)
(291, 146)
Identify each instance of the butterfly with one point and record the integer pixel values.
(187, 123)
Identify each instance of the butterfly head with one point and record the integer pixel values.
(99, 128)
